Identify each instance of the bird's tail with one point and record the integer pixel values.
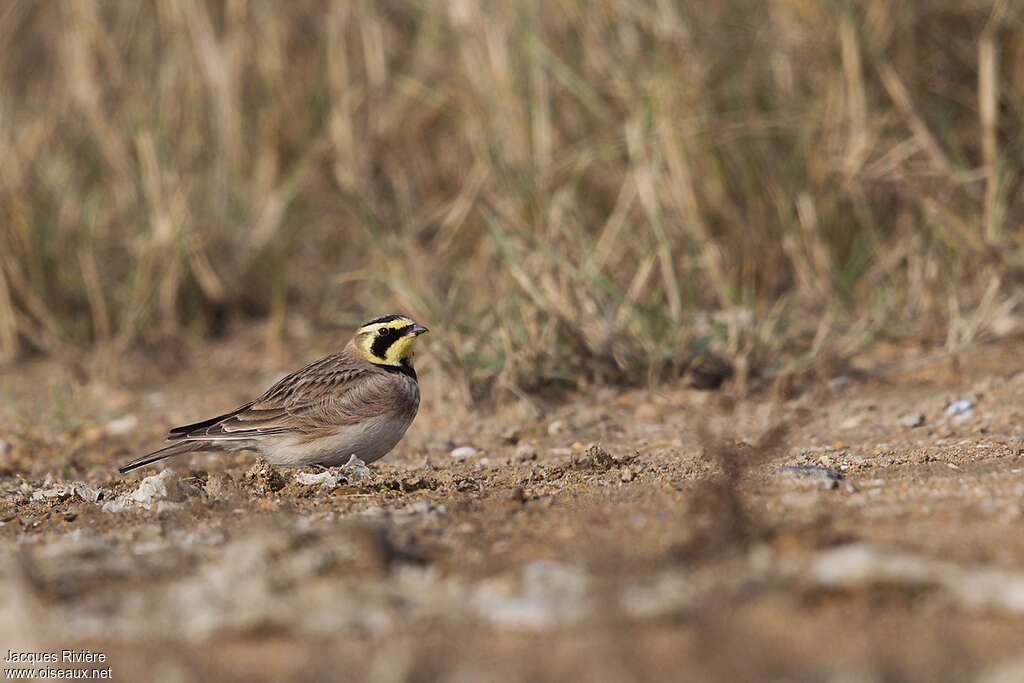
(166, 452)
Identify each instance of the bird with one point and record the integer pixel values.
(357, 402)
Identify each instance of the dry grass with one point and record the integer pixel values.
(566, 189)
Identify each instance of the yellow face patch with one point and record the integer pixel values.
(389, 340)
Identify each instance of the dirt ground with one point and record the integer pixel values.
(865, 529)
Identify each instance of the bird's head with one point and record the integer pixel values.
(389, 340)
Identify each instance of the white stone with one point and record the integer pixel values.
(162, 491)
(122, 425)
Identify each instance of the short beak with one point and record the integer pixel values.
(417, 330)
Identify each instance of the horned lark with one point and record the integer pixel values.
(358, 402)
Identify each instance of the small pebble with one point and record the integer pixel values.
(517, 494)
(463, 452)
(851, 422)
(556, 426)
(510, 435)
(911, 420)
(422, 507)
(122, 425)
(626, 474)
(526, 451)
(813, 471)
(960, 406)
(326, 478)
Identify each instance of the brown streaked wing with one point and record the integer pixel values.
(328, 374)
(379, 392)
(289, 403)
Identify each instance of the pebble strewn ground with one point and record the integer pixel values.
(866, 528)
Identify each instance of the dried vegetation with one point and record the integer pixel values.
(569, 190)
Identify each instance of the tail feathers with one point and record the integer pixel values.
(166, 452)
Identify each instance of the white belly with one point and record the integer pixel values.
(370, 440)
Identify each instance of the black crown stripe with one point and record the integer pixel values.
(384, 319)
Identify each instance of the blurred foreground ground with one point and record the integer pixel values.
(681, 549)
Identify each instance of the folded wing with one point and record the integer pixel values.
(327, 390)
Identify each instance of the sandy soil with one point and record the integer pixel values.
(868, 528)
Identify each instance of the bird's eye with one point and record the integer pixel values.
(385, 332)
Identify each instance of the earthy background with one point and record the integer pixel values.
(724, 298)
